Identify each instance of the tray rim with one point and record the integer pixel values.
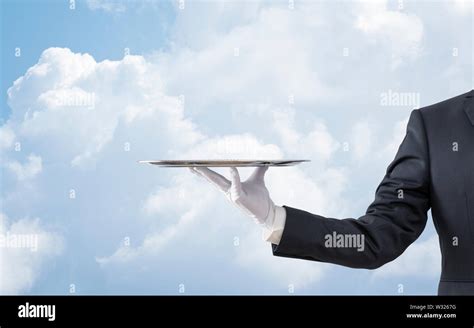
(224, 162)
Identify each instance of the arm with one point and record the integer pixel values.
(393, 221)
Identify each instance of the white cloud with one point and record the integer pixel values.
(27, 170)
(317, 143)
(463, 7)
(182, 197)
(174, 212)
(401, 32)
(76, 111)
(20, 267)
(108, 5)
(81, 100)
(263, 60)
(7, 136)
(118, 7)
(221, 18)
(361, 140)
(245, 146)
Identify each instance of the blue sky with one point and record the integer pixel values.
(239, 79)
(37, 25)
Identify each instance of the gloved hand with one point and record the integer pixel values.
(251, 195)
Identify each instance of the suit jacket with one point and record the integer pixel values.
(434, 168)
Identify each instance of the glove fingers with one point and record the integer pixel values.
(236, 186)
(259, 174)
(213, 177)
(193, 171)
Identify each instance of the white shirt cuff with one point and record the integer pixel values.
(273, 231)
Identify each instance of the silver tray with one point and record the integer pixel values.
(224, 163)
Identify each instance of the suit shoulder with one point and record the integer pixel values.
(444, 107)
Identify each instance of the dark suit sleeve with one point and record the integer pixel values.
(392, 222)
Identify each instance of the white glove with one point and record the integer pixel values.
(251, 195)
